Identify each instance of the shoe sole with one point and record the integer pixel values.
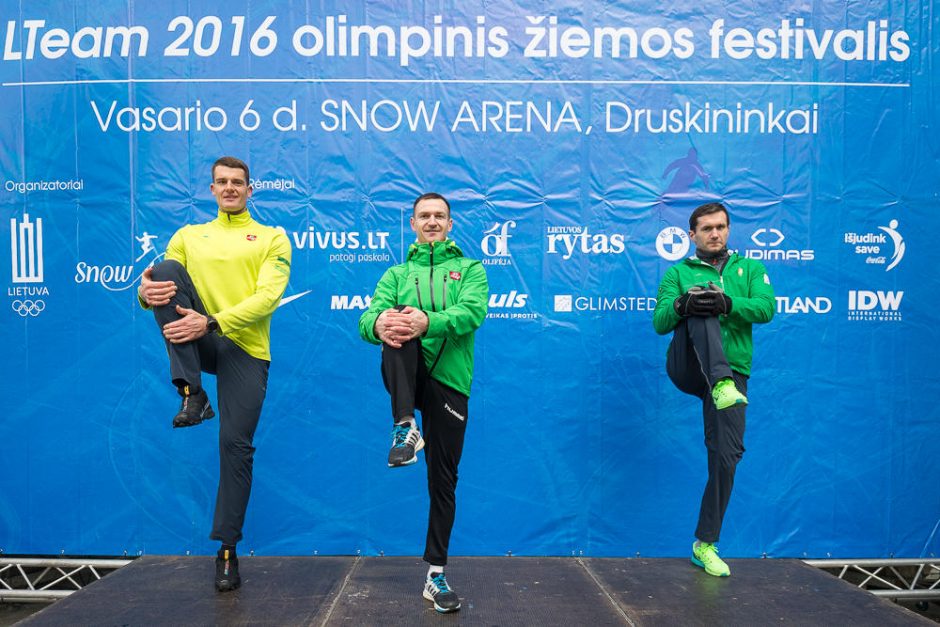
(734, 404)
(411, 461)
(205, 416)
(701, 565)
(441, 610)
(229, 588)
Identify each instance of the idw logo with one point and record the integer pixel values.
(879, 306)
(346, 302)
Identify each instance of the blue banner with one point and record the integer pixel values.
(572, 145)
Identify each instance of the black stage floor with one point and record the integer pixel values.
(168, 590)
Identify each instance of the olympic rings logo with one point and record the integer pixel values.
(28, 307)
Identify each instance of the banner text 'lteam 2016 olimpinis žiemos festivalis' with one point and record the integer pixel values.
(572, 144)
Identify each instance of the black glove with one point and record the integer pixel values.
(722, 302)
(688, 305)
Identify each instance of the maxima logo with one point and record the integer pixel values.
(495, 244)
(769, 247)
(570, 302)
(672, 243)
(803, 305)
(27, 273)
(343, 246)
(345, 302)
(570, 239)
(877, 305)
(875, 246)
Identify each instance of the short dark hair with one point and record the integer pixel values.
(232, 162)
(430, 196)
(704, 210)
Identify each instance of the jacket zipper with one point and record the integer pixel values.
(431, 276)
(418, 290)
(444, 307)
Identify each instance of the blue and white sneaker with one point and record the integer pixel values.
(436, 590)
(406, 442)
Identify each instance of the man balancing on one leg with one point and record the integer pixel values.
(213, 298)
(709, 302)
(424, 313)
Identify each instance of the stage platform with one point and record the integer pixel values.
(169, 590)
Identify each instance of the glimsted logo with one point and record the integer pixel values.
(343, 246)
(672, 243)
(877, 306)
(27, 269)
(495, 244)
(769, 247)
(875, 247)
(570, 303)
(121, 276)
(568, 240)
(803, 305)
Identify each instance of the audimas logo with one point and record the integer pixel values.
(27, 292)
(672, 243)
(874, 247)
(495, 244)
(769, 247)
(119, 277)
(877, 306)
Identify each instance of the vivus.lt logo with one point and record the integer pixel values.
(119, 277)
(875, 246)
(27, 271)
(495, 244)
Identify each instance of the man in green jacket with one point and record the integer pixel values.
(424, 314)
(709, 302)
(213, 298)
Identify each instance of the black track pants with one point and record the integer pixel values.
(242, 382)
(695, 361)
(444, 422)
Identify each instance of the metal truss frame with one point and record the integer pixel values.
(41, 580)
(915, 579)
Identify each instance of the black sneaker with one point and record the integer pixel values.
(406, 442)
(226, 571)
(195, 408)
(437, 590)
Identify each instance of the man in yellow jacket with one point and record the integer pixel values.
(213, 297)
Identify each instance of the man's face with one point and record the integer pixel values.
(711, 232)
(230, 188)
(431, 220)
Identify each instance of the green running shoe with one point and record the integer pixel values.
(726, 395)
(705, 555)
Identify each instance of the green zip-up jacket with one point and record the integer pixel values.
(452, 290)
(240, 269)
(752, 301)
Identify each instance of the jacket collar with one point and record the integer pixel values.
(235, 221)
(421, 253)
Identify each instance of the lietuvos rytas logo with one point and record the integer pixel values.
(769, 244)
(27, 270)
(119, 277)
(873, 246)
(568, 240)
(495, 244)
